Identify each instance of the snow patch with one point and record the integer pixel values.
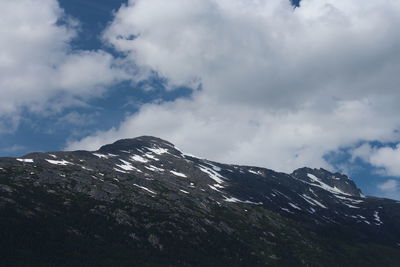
(377, 218)
(350, 206)
(101, 156)
(26, 160)
(178, 174)
(313, 201)
(255, 172)
(158, 151)
(97, 178)
(59, 162)
(85, 168)
(324, 186)
(145, 188)
(127, 166)
(282, 194)
(138, 158)
(150, 156)
(212, 174)
(154, 168)
(286, 210)
(219, 186)
(236, 200)
(294, 206)
(353, 201)
(214, 188)
(214, 167)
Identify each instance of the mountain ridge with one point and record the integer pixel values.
(156, 199)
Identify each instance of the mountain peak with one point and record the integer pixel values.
(336, 181)
(137, 143)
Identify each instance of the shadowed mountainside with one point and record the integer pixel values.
(142, 202)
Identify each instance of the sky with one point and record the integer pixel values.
(270, 83)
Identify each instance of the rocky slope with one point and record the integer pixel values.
(142, 202)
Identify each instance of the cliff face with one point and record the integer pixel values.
(142, 202)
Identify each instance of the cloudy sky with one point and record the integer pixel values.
(255, 82)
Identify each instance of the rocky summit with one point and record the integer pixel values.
(143, 202)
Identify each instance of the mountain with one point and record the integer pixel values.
(143, 202)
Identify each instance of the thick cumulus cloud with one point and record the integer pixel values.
(38, 69)
(266, 52)
(280, 87)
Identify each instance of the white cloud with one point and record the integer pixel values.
(362, 152)
(388, 158)
(264, 52)
(87, 73)
(385, 158)
(390, 189)
(242, 134)
(38, 68)
(280, 87)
